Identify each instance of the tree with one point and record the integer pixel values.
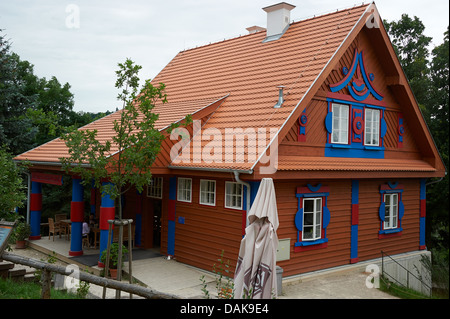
(438, 122)
(429, 80)
(135, 138)
(411, 46)
(12, 190)
(16, 131)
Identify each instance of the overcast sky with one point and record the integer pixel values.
(81, 41)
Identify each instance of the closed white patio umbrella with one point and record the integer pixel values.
(255, 275)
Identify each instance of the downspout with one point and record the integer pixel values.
(434, 182)
(236, 176)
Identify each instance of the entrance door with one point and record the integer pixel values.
(157, 208)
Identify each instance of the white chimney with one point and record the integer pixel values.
(278, 20)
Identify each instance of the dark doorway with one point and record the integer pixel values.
(157, 208)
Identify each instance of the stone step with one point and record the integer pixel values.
(17, 273)
(5, 267)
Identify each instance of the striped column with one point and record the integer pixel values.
(138, 227)
(423, 213)
(107, 212)
(35, 210)
(171, 216)
(355, 222)
(76, 217)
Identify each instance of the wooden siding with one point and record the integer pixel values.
(337, 252)
(370, 245)
(316, 110)
(207, 230)
(338, 232)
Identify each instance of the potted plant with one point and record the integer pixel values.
(113, 258)
(21, 233)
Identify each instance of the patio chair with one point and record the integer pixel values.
(63, 227)
(53, 229)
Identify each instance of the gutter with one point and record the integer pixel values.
(211, 169)
(51, 163)
(434, 182)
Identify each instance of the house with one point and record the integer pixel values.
(321, 106)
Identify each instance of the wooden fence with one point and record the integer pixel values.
(47, 269)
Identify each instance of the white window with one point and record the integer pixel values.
(233, 195)
(391, 211)
(339, 133)
(154, 189)
(372, 127)
(207, 192)
(184, 189)
(312, 219)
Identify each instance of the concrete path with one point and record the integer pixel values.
(173, 277)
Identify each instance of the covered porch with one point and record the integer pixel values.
(65, 231)
(149, 267)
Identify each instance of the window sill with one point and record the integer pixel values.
(373, 148)
(388, 233)
(340, 145)
(310, 245)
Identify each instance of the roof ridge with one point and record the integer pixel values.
(258, 32)
(325, 13)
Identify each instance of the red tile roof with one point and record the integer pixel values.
(247, 71)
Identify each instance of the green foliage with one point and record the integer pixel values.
(224, 283)
(113, 255)
(33, 110)
(10, 289)
(12, 190)
(411, 46)
(22, 230)
(428, 76)
(135, 138)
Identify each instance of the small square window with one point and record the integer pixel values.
(233, 195)
(372, 127)
(391, 211)
(154, 189)
(208, 192)
(339, 133)
(312, 218)
(184, 190)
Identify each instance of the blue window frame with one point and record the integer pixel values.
(354, 129)
(391, 209)
(312, 217)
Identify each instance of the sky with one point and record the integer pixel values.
(81, 41)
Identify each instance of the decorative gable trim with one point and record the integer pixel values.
(360, 86)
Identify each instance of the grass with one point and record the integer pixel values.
(400, 291)
(10, 289)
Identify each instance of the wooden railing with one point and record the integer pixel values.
(47, 269)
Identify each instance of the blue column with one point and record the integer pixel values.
(171, 217)
(35, 210)
(138, 229)
(76, 217)
(107, 212)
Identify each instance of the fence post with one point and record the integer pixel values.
(46, 284)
